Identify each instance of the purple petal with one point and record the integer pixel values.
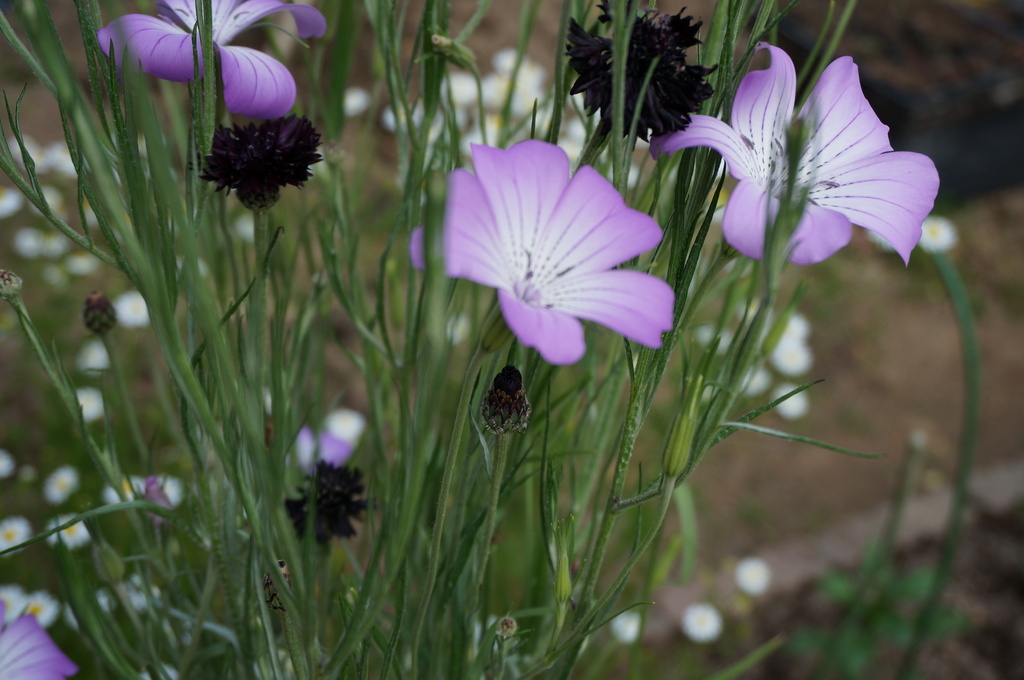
(474, 248)
(256, 85)
(847, 129)
(334, 450)
(711, 132)
(308, 20)
(763, 108)
(181, 12)
(557, 336)
(889, 194)
(27, 652)
(592, 228)
(416, 252)
(743, 224)
(636, 305)
(820, 234)
(161, 50)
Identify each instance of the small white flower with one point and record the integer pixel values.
(54, 275)
(626, 627)
(57, 158)
(798, 328)
(132, 311)
(93, 356)
(346, 424)
(43, 606)
(573, 137)
(11, 201)
(757, 382)
(938, 234)
(753, 575)
(74, 536)
(702, 623)
(61, 484)
(13, 598)
(131, 487)
(173, 488)
(504, 61)
(793, 408)
(7, 464)
(357, 101)
(458, 329)
(81, 264)
(28, 243)
(244, 228)
(792, 357)
(14, 530)
(91, 401)
(462, 88)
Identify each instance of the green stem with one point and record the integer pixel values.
(451, 458)
(127, 403)
(257, 310)
(497, 474)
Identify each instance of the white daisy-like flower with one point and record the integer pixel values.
(74, 536)
(793, 408)
(43, 606)
(91, 401)
(753, 576)
(105, 600)
(81, 264)
(57, 158)
(462, 89)
(504, 60)
(7, 464)
(174, 489)
(61, 484)
(244, 228)
(573, 137)
(357, 101)
(13, 598)
(701, 622)
(346, 424)
(626, 627)
(792, 357)
(131, 487)
(938, 234)
(458, 329)
(757, 382)
(798, 328)
(132, 311)
(33, 148)
(93, 356)
(11, 201)
(14, 530)
(54, 275)
(28, 243)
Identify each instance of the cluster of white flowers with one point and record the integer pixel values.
(59, 486)
(135, 486)
(39, 604)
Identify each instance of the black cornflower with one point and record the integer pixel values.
(257, 161)
(505, 407)
(336, 492)
(676, 89)
(99, 313)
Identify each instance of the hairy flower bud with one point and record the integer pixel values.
(505, 407)
(99, 313)
(10, 285)
(507, 627)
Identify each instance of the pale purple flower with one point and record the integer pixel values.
(548, 243)
(28, 653)
(255, 84)
(851, 171)
(335, 443)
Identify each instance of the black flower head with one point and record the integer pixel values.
(337, 492)
(505, 407)
(257, 161)
(676, 89)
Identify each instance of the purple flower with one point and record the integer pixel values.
(339, 435)
(851, 171)
(549, 243)
(255, 84)
(28, 653)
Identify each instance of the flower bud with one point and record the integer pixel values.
(10, 285)
(455, 52)
(680, 441)
(563, 577)
(505, 407)
(507, 627)
(109, 564)
(99, 313)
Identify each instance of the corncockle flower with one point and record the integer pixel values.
(795, 407)
(753, 575)
(60, 485)
(256, 161)
(14, 530)
(91, 401)
(255, 84)
(938, 234)
(676, 89)
(74, 536)
(626, 627)
(701, 622)
(850, 170)
(7, 464)
(132, 311)
(28, 653)
(11, 201)
(549, 243)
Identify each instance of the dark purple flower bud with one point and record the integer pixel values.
(505, 407)
(99, 313)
